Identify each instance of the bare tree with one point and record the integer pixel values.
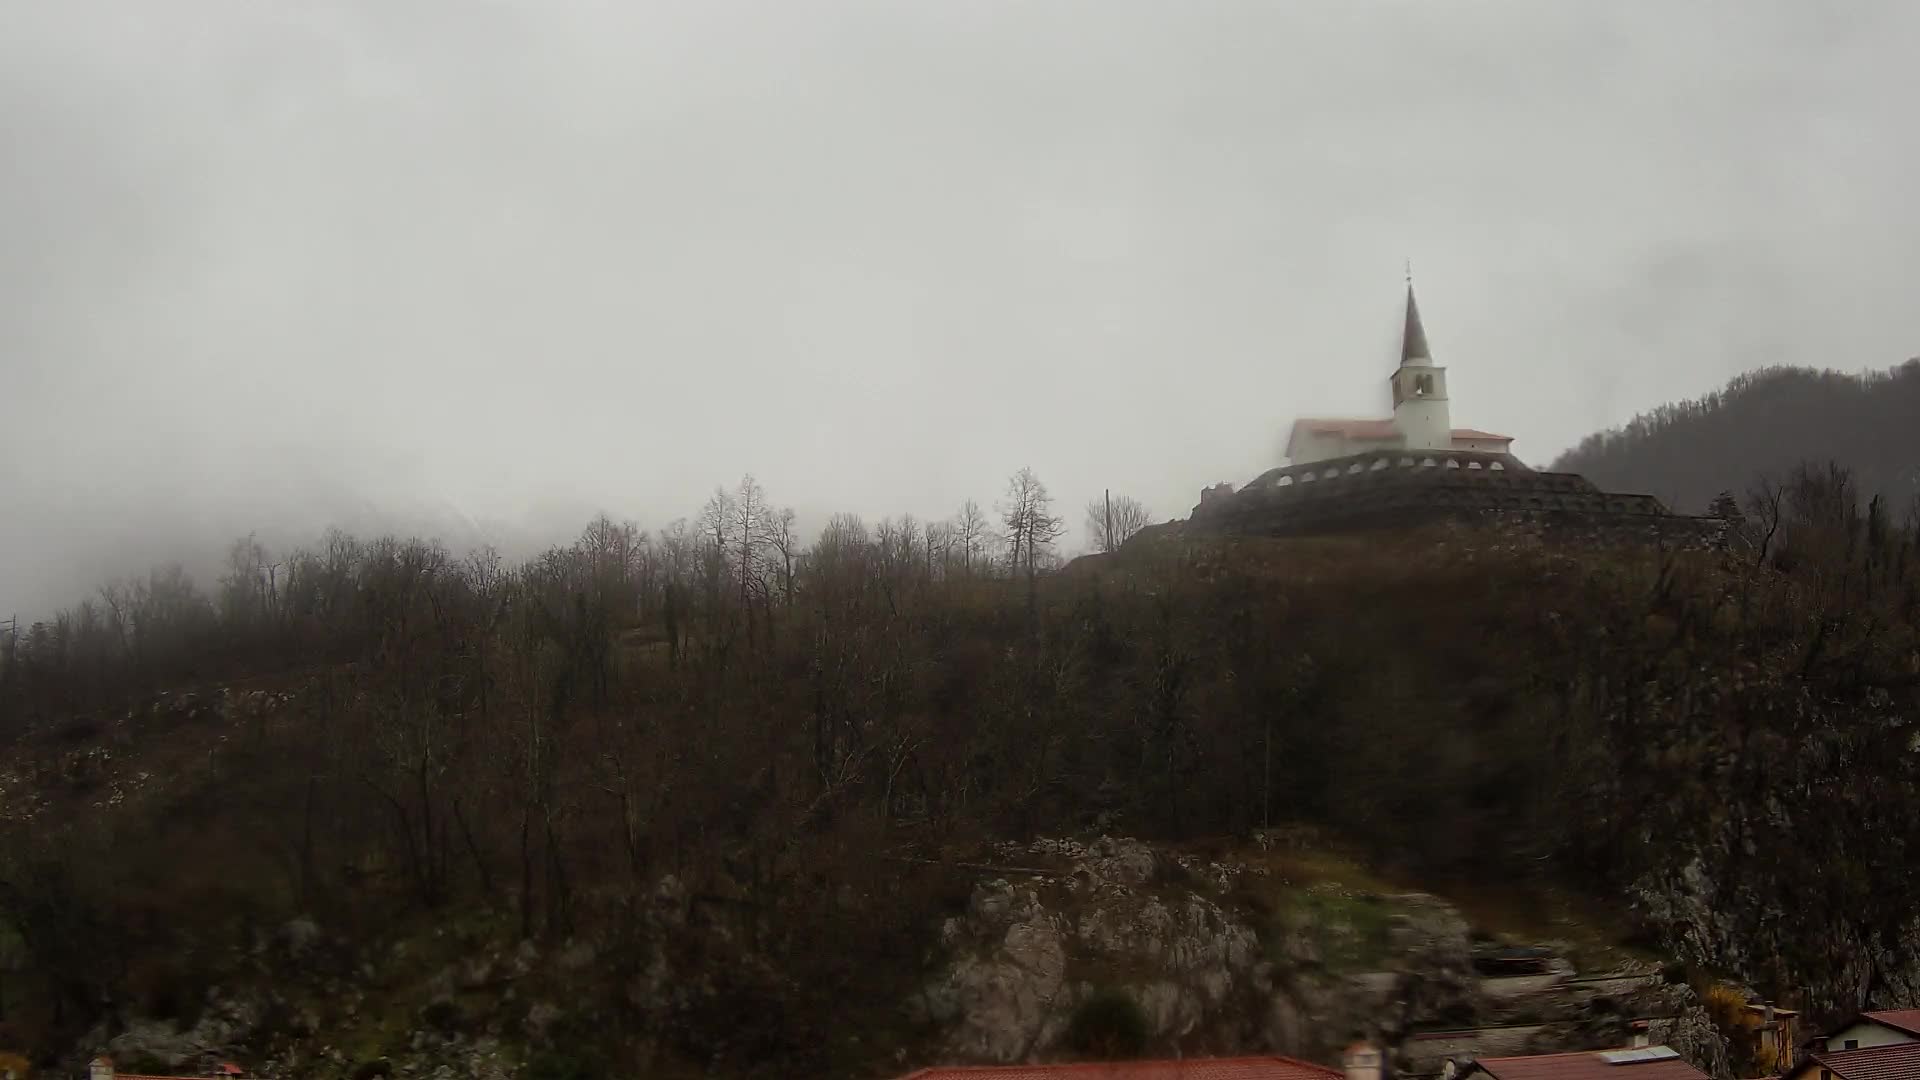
(783, 540)
(747, 530)
(1113, 519)
(1031, 526)
(969, 534)
(939, 544)
(899, 541)
(1763, 506)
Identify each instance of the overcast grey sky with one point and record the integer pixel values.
(266, 265)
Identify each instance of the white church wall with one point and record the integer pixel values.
(1491, 446)
(1311, 446)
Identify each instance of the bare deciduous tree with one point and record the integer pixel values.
(783, 540)
(1113, 519)
(1031, 526)
(747, 531)
(969, 534)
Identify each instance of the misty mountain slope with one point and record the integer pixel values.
(1764, 423)
(696, 828)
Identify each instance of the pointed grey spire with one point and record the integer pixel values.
(1413, 342)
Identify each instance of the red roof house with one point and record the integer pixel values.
(1645, 1063)
(1870, 1029)
(101, 1068)
(1234, 1068)
(1907, 1020)
(1893, 1061)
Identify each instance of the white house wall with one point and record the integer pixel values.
(1868, 1034)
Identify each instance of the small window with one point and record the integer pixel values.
(1826, 1074)
(1851, 1044)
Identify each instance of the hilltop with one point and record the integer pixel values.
(647, 804)
(1761, 426)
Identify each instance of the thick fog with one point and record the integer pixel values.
(485, 268)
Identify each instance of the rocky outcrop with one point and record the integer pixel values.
(1692, 1034)
(1204, 973)
(1216, 959)
(223, 1023)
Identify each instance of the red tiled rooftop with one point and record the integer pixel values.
(1896, 1061)
(1907, 1020)
(1240, 1068)
(223, 1069)
(1587, 1065)
(1377, 429)
(1352, 429)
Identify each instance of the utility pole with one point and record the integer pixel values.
(1106, 541)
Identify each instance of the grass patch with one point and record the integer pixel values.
(1350, 931)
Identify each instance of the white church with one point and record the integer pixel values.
(1421, 419)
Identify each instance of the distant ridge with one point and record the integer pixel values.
(1765, 422)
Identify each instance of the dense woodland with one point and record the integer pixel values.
(1765, 421)
(800, 733)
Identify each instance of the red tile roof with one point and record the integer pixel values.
(1586, 1066)
(1907, 1020)
(1897, 1061)
(1240, 1068)
(223, 1069)
(1352, 429)
(1376, 429)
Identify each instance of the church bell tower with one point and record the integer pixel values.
(1420, 412)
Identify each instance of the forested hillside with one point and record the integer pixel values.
(1760, 426)
(372, 754)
